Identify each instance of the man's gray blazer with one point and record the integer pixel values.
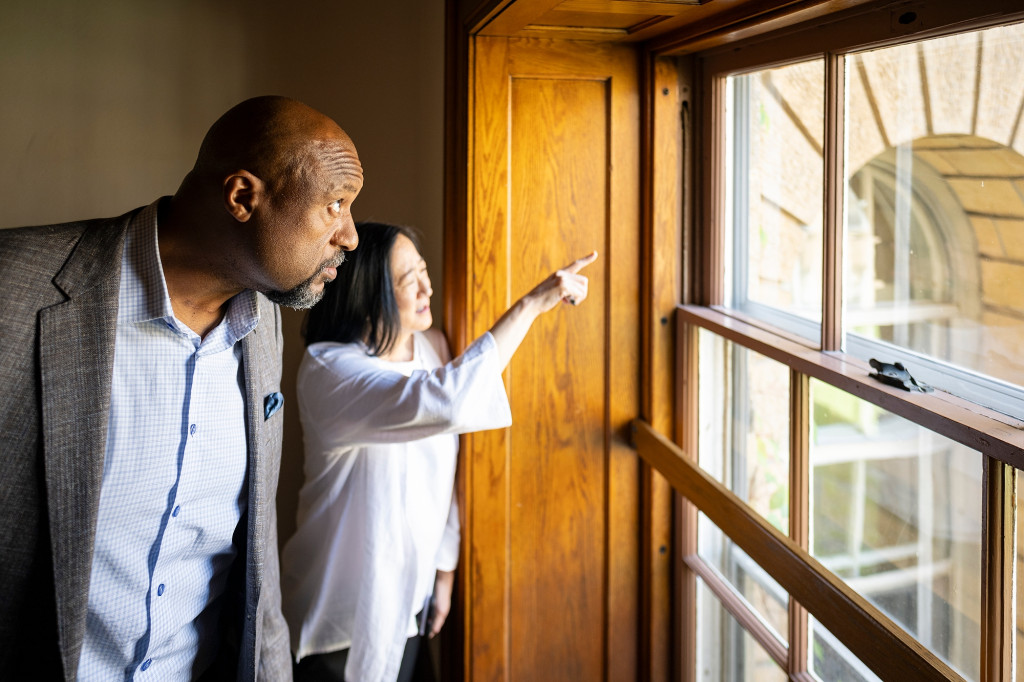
(60, 286)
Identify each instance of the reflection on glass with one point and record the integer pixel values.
(935, 200)
(762, 594)
(725, 651)
(896, 513)
(744, 425)
(830, 661)
(774, 189)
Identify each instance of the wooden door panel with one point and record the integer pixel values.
(552, 503)
(556, 470)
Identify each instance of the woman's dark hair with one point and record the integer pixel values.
(359, 305)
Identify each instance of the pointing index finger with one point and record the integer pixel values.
(581, 263)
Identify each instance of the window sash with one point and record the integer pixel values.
(993, 433)
(987, 431)
(997, 435)
(849, 32)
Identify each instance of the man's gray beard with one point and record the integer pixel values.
(302, 297)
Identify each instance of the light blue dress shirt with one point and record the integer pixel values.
(173, 479)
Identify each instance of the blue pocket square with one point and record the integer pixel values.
(271, 404)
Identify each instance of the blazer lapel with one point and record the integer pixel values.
(76, 359)
(261, 357)
(252, 354)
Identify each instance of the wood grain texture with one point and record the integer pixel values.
(799, 505)
(485, 456)
(687, 401)
(832, 210)
(997, 621)
(552, 502)
(557, 477)
(662, 283)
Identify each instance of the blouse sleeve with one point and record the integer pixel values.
(347, 398)
(448, 553)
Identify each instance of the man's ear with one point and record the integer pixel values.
(243, 191)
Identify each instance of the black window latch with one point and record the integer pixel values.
(895, 374)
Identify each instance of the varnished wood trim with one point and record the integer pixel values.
(832, 224)
(516, 16)
(486, 536)
(662, 164)
(596, 33)
(458, 103)
(687, 394)
(473, 15)
(656, 577)
(606, 7)
(660, 292)
(457, 58)
(680, 613)
(869, 27)
(885, 648)
(745, 22)
(995, 434)
(799, 504)
(661, 250)
(709, 241)
(739, 609)
(685, 72)
(998, 628)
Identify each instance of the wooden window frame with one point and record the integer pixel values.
(882, 645)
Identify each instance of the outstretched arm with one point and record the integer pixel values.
(562, 285)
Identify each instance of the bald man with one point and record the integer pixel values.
(140, 421)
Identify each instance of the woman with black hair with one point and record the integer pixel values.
(369, 570)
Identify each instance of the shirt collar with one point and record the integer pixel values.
(144, 296)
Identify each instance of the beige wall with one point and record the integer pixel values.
(102, 108)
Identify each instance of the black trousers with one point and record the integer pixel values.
(330, 667)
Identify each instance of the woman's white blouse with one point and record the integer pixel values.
(377, 516)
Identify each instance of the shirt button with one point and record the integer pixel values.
(160, 590)
(177, 509)
(192, 430)
(149, 662)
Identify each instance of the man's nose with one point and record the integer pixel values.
(346, 236)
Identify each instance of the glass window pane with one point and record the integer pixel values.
(763, 595)
(896, 513)
(744, 425)
(774, 194)
(725, 651)
(830, 660)
(934, 223)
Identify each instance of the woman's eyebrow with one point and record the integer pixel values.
(412, 270)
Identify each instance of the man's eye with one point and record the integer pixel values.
(336, 205)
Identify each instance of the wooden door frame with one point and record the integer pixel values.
(661, 284)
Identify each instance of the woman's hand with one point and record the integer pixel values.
(441, 604)
(562, 285)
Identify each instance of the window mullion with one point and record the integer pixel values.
(832, 237)
(687, 405)
(799, 505)
(710, 242)
(998, 625)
